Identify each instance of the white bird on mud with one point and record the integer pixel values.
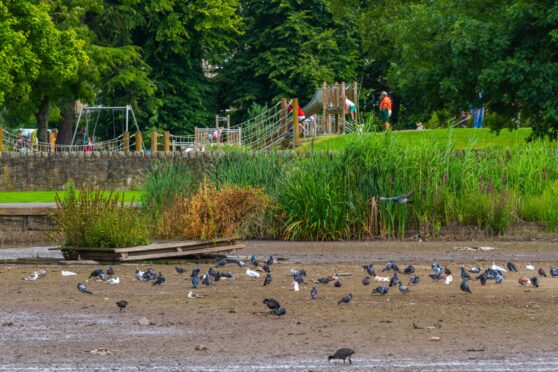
(194, 295)
(42, 273)
(497, 268)
(381, 278)
(295, 286)
(32, 277)
(67, 273)
(138, 275)
(448, 279)
(530, 267)
(113, 281)
(252, 273)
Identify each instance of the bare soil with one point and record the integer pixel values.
(49, 324)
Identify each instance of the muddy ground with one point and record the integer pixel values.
(49, 324)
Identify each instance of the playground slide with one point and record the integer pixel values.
(316, 104)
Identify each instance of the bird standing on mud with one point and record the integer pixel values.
(267, 280)
(343, 354)
(83, 288)
(345, 299)
(465, 286)
(366, 280)
(511, 267)
(394, 280)
(122, 304)
(159, 279)
(381, 290)
(313, 293)
(369, 269)
(415, 279)
(271, 303)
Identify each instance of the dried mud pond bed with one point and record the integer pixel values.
(48, 324)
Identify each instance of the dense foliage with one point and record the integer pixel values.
(180, 62)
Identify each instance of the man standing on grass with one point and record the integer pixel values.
(385, 109)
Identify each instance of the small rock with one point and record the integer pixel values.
(434, 338)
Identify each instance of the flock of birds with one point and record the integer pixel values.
(255, 270)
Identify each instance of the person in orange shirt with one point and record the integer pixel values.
(385, 109)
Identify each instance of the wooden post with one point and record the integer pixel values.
(52, 142)
(1, 139)
(166, 141)
(217, 121)
(139, 141)
(343, 106)
(126, 141)
(336, 106)
(153, 142)
(283, 116)
(228, 122)
(355, 99)
(325, 119)
(295, 121)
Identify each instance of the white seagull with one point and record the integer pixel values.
(449, 279)
(32, 277)
(497, 268)
(67, 273)
(194, 295)
(114, 281)
(530, 267)
(252, 273)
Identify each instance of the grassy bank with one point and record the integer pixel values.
(49, 196)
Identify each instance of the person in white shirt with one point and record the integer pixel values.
(351, 107)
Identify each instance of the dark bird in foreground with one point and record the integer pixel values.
(381, 290)
(369, 269)
(482, 277)
(195, 282)
(465, 286)
(447, 271)
(535, 281)
(465, 274)
(122, 304)
(280, 311)
(179, 270)
(110, 271)
(337, 284)
(324, 280)
(366, 280)
(391, 266)
(195, 272)
(159, 279)
(254, 261)
(270, 261)
(553, 271)
(343, 354)
(83, 289)
(511, 267)
(542, 272)
(394, 280)
(266, 268)
(96, 273)
(313, 293)
(345, 299)
(402, 199)
(267, 280)
(415, 279)
(409, 270)
(271, 303)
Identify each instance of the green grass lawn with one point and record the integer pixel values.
(461, 138)
(48, 196)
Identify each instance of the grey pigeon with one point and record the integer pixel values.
(511, 267)
(343, 354)
(366, 280)
(122, 304)
(195, 272)
(369, 269)
(465, 286)
(254, 261)
(280, 311)
(266, 268)
(160, 279)
(402, 199)
(345, 299)
(553, 271)
(415, 279)
(337, 284)
(535, 281)
(271, 303)
(313, 293)
(179, 270)
(195, 282)
(403, 289)
(220, 263)
(381, 290)
(391, 266)
(465, 274)
(83, 289)
(394, 280)
(110, 271)
(267, 280)
(409, 270)
(542, 272)
(96, 273)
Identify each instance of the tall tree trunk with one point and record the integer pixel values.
(42, 116)
(66, 124)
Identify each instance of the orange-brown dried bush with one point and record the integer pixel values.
(210, 213)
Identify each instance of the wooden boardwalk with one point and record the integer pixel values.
(170, 249)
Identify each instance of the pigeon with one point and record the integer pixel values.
(160, 279)
(270, 261)
(299, 279)
(300, 272)
(313, 293)
(83, 289)
(447, 271)
(280, 311)
(238, 262)
(343, 353)
(415, 279)
(67, 273)
(110, 271)
(324, 280)
(465, 274)
(227, 275)
(266, 268)
(150, 274)
(206, 280)
(394, 280)
(195, 272)
(409, 270)
(138, 275)
(474, 270)
(220, 262)
(195, 282)
(448, 279)
(553, 271)
(214, 273)
(511, 267)
(122, 304)
(267, 280)
(524, 280)
(381, 290)
(497, 268)
(403, 289)
(254, 261)
(32, 277)
(295, 286)
(345, 299)
(391, 266)
(402, 199)
(465, 286)
(366, 280)
(337, 284)
(194, 295)
(437, 272)
(482, 278)
(369, 269)
(252, 273)
(96, 273)
(535, 281)
(542, 272)
(113, 281)
(271, 303)
(499, 278)
(179, 270)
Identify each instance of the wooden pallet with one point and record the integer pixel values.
(172, 249)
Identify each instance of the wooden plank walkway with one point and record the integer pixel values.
(172, 249)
